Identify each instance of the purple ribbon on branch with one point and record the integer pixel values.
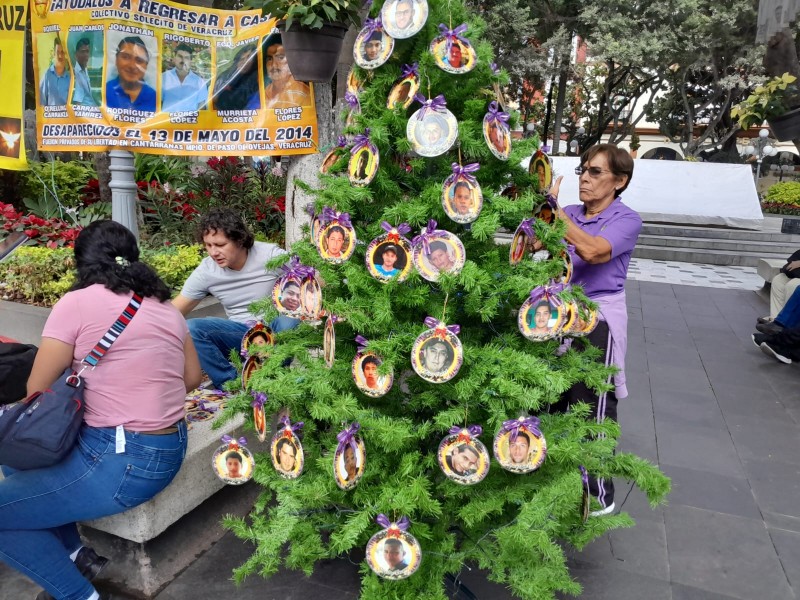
(527, 227)
(474, 430)
(203, 405)
(361, 141)
(226, 439)
(342, 141)
(434, 323)
(425, 235)
(495, 69)
(453, 34)
(395, 232)
(548, 292)
(463, 172)
(584, 476)
(545, 148)
(329, 215)
(523, 423)
(372, 25)
(333, 319)
(551, 200)
(347, 437)
(394, 528)
(435, 104)
(495, 114)
(294, 268)
(362, 343)
(259, 398)
(352, 100)
(310, 210)
(287, 425)
(408, 70)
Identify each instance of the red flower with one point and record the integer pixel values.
(233, 160)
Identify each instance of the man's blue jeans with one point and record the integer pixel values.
(789, 317)
(39, 508)
(214, 339)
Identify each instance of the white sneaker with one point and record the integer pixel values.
(603, 511)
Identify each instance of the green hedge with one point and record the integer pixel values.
(40, 275)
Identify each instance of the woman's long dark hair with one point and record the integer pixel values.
(234, 87)
(106, 253)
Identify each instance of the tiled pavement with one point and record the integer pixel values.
(667, 271)
(719, 417)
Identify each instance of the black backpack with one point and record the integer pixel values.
(16, 361)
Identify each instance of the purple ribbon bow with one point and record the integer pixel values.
(529, 423)
(527, 227)
(408, 70)
(352, 100)
(329, 215)
(463, 172)
(372, 25)
(348, 437)
(287, 424)
(495, 69)
(342, 141)
(294, 268)
(333, 319)
(548, 291)
(310, 210)
(401, 524)
(571, 251)
(584, 476)
(226, 439)
(362, 343)
(424, 236)
(551, 200)
(474, 430)
(545, 148)
(453, 34)
(361, 141)
(259, 398)
(434, 323)
(401, 229)
(495, 114)
(434, 104)
(202, 405)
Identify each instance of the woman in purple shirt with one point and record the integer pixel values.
(604, 232)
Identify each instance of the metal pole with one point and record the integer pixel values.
(123, 190)
(758, 170)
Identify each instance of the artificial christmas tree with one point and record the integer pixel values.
(513, 523)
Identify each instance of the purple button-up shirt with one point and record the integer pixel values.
(619, 225)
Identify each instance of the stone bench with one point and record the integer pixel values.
(768, 268)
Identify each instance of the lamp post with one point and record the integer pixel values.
(577, 141)
(760, 148)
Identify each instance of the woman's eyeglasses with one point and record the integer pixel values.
(594, 172)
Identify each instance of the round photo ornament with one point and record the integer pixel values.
(232, 462)
(365, 371)
(462, 198)
(373, 45)
(435, 251)
(393, 553)
(388, 256)
(286, 291)
(350, 457)
(520, 446)
(462, 457)
(336, 240)
(259, 415)
(403, 91)
(404, 18)
(311, 300)
(452, 52)
(329, 341)
(250, 366)
(364, 160)
(523, 242)
(330, 159)
(541, 167)
(354, 82)
(432, 129)
(541, 316)
(496, 133)
(287, 451)
(437, 354)
(257, 340)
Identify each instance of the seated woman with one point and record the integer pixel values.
(133, 439)
(783, 286)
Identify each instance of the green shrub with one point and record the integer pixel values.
(786, 192)
(55, 179)
(40, 275)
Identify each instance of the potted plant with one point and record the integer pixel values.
(635, 144)
(775, 102)
(312, 32)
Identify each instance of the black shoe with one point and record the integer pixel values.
(89, 563)
(758, 339)
(771, 351)
(769, 328)
(763, 320)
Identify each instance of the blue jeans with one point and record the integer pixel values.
(214, 338)
(789, 316)
(39, 508)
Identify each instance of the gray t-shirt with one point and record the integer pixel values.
(235, 289)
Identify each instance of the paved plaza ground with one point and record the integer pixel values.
(719, 417)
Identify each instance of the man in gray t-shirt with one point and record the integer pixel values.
(234, 273)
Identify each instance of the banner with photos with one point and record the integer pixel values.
(162, 78)
(12, 79)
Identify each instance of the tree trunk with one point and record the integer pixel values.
(780, 58)
(562, 92)
(102, 162)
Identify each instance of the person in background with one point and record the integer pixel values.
(234, 273)
(788, 318)
(783, 286)
(131, 423)
(604, 232)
